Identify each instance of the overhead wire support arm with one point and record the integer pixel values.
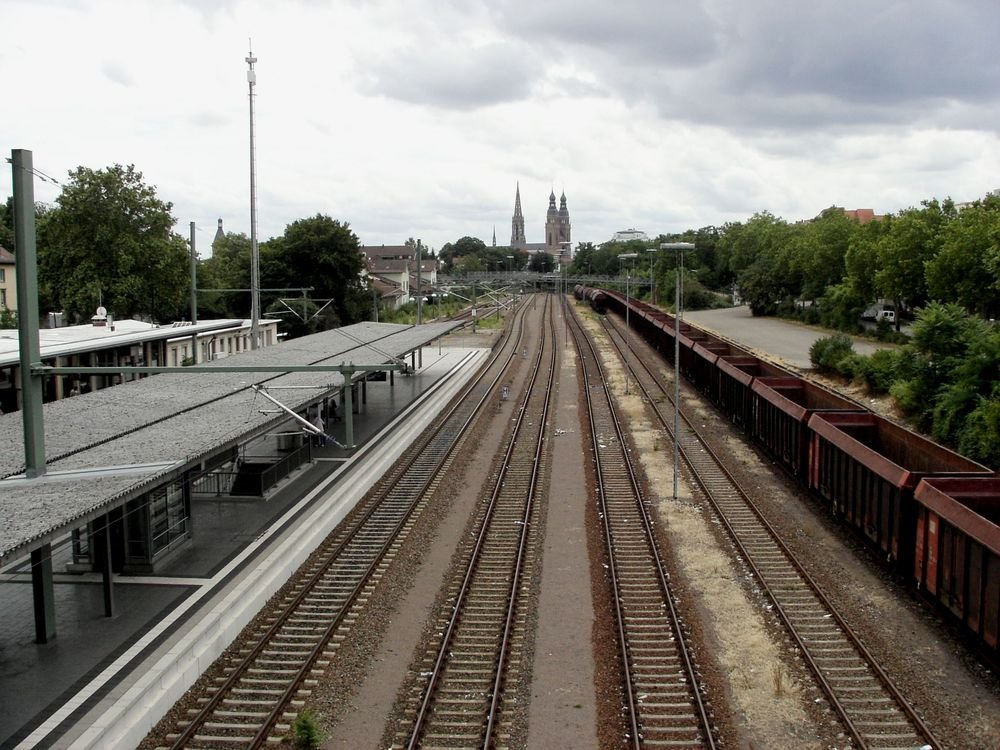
(306, 424)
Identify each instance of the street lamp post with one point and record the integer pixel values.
(652, 279)
(680, 247)
(628, 327)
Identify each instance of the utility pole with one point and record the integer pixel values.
(254, 252)
(27, 312)
(420, 293)
(194, 297)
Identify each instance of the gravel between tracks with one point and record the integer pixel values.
(955, 695)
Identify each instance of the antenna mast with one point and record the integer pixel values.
(254, 253)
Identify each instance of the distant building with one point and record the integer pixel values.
(627, 235)
(863, 215)
(558, 230)
(219, 234)
(965, 204)
(393, 272)
(8, 281)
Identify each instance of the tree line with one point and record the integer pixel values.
(109, 240)
(831, 268)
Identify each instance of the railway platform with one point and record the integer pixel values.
(103, 681)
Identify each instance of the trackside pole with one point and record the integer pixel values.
(27, 307)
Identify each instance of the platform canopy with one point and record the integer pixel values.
(109, 446)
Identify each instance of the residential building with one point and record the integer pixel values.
(8, 281)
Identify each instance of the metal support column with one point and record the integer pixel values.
(42, 593)
(364, 391)
(27, 312)
(392, 378)
(102, 556)
(348, 411)
(109, 586)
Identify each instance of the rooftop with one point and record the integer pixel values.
(68, 340)
(105, 447)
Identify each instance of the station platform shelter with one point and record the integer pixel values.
(160, 493)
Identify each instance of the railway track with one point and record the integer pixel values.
(258, 690)
(873, 711)
(663, 701)
(464, 697)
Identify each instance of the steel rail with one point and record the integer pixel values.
(659, 566)
(416, 452)
(705, 450)
(436, 672)
(519, 563)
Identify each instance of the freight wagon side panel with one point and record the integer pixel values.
(957, 559)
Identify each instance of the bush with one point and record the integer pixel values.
(305, 730)
(810, 315)
(879, 370)
(827, 354)
(979, 438)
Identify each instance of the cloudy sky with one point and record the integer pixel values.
(418, 117)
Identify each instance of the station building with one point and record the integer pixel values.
(105, 342)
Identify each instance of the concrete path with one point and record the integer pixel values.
(784, 340)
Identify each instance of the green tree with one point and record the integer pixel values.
(822, 251)
(459, 249)
(583, 258)
(942, 336)
(7, 224)
(322, 253)
(965, 269)
(541, 263)
(227, 268)
(911, 242)
(110, 239)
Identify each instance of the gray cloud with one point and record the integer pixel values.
(117, 72)
(644, 31)
(207, 119)
(457, 77)
(771, 64)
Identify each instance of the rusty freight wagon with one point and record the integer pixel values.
(736, 377)
(782, 407)
(705, 372)
(867, 468)
(957, 555)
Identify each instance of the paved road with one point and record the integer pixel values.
(782, 339)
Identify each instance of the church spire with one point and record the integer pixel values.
(494, 235)
(517, 222)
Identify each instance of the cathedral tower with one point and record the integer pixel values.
(557, 226)
(517, 223)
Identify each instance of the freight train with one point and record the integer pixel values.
(933, 514)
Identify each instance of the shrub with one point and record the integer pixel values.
(979, 438)
(879, 370)
(305, 730)
(827, 354)
(811, 315)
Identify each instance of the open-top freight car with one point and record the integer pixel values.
(782, 407)
(957, 557)
(703, 369)
(737, 373)
(867, 468)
